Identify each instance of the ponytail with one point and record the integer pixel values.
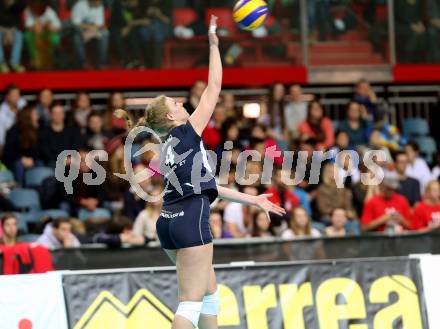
(122, 114)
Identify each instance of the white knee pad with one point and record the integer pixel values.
(211, 304)
(190, 311)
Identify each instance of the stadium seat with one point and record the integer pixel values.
(184, 16)
(25, 199)
(415, 127)
(98, 213)
(6, 176)
(35, 176)
(53, 213)
(428, 147)
(29, 238)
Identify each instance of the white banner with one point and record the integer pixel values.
(33, 301)
(430, 267)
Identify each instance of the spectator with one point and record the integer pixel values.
(261, 225)
(409, 187)
(230, 133)
(96, 136)
(228, 102)
(295, 111)
(133, 204)
(330, 196)
(58, 234)
(80, 111)
(417, 167)
(43, 33)
(436, 169)
(45, 99)
(9, 227)
(317, 126)
(212, 134)
(89, 24)
(300, 226)
(427, 213)
(376, 143)
(195, 94)
(259, 134)
(10, 34)
(356, 125)
(21, 148)
(364, 192)
(111, 122)
(12, 103)
(338, 220)
(388, 211)
(320, 19)
(120, 231)
(57, 137)
(145, 223)
(274, 116)
(366, 96)
(217, 226)
(238, 217)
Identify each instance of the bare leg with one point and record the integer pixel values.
(209, 321)
(193, 272)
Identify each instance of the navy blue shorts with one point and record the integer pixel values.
(185, 223)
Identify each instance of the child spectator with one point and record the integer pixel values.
(300, 226)
(338, 219)
(427, 212)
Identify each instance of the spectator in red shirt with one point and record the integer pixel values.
(427, 212)
(10, 230)
(212, 134)
(317, 126)
(388, 210)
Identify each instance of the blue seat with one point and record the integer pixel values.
(6, 176)
(134, 149)
(415, 127)
(29, 238)
(53, 213)
(428, 147)
(336, 124)
(35, 176)
(84, 214)
(25, 199)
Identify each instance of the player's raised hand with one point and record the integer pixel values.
(212, 32)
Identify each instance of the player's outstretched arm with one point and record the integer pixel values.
(260, 201)
(201, 116)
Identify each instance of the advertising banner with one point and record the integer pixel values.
(33, 301)
(371, 294)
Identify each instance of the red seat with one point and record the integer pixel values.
(225, 19)
(381, 13)
(184, 16)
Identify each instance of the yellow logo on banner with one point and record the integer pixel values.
(143, 311)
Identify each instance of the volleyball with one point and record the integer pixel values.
(250, 14)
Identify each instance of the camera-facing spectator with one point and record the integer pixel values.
(273, 115)
(96, 137)
(43, 33)
(58, 234)
(45, 99)
(295, 111)
(10, 35)
(218, 226)
(89, 20)
(427, 213)
(338, 219)
(300, 226)
(366, 96)
(417, 166)
(9, 227)
(261, 226)
(409, 187)
(356, 125)
(195, 94)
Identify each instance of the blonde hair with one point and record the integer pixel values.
(155, 117)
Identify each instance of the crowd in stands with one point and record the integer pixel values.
(341, 200)
(60, 34)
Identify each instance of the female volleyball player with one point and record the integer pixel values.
(183, 226)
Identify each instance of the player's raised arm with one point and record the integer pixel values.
(201, 116)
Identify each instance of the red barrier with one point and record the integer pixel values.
(416, 73)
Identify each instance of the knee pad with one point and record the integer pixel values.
(190, 311)
(211, 304)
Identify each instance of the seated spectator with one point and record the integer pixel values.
(261, 225)
(238, 217)
(82, 108)
(145, 223)
(300, 226)
(270, 149)
(96, 137)
(436, 169)
(10, 34)
(363, 192)
(338, 220)
(230, 133)
(228, 102)
(13, 102)
(273, 112)
(119, 232)
(195, 94)
(330, 196)
(217, 226)
(57, 137)
(21, 148)
(212, 134)
(427, 213)
(295, 111)
(366, 96)
(376, 144)
(58, 234)
(388, 211)
(89, 22)
(409, 187)
(133, 203)
(111, 122)
(317, 126)
(342, 143)
(356, 125)
(9, 228)
(43, 33)
(45, 99)
(417, 166)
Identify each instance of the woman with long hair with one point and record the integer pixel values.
(183, 226)
(274, 109)
(300, 225)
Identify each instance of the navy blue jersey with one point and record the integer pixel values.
(186, 167)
